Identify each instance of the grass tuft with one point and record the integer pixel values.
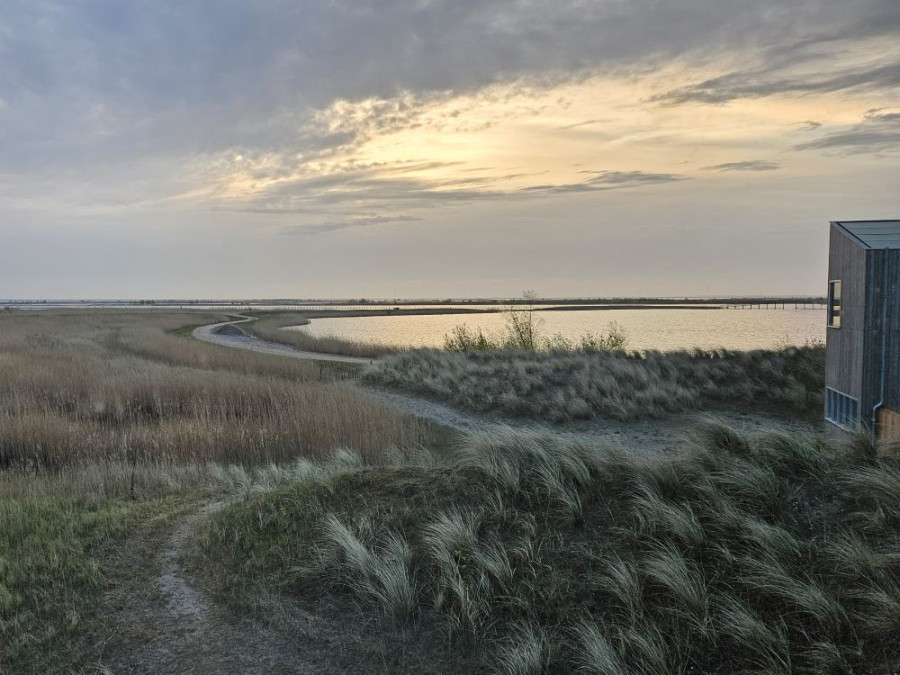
(596, 655)
(525, 652)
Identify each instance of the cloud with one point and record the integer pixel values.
(81, 89)
(577, 125)
(747, 165)
(760, 84)
(301, 110)
(345, 224)
(607, 180)
(352, 188)
(808, 125)
(878, 132)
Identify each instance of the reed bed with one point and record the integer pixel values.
(73, 390)
(115, 423)
(175, 350)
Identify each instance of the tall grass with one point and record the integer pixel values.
(525, 652)
(171, 348)
(559, 386)
(523, 334)
(70, 394)
(115, 422)
(375, 568)
(769, 554)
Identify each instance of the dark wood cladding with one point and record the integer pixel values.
(892, 385)
(882, 341)
(873, 341)
(863, 355)
(844, 345)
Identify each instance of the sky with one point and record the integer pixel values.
(440, 148)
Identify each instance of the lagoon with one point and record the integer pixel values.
(663, 329)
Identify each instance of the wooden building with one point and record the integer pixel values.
(863, 339)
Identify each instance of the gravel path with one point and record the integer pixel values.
(646, 437)
(229, 334)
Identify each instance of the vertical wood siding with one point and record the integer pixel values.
(892, 393)
(845, 345)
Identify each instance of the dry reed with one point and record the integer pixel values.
(71, 393)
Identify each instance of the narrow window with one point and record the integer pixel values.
(834, 304)
(841, 409)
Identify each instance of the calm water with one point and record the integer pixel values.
(664, 329)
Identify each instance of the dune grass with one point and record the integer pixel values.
(666, 565)
(563, 386)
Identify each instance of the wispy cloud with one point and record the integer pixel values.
(878, 132)
(760, 84)
(607, 180)
(747, 165)
(808, 125)
(345, 224)
(380, 187)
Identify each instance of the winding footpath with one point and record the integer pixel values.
(230, 334)
(651, 438)
(182, 631)
(166, 624)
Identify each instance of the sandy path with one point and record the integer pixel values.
(651, 438)
(229, 334)
(167, 625)
(646, 437)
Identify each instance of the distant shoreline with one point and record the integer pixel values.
(438, 306)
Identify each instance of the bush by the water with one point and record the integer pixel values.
(524, 330)
(563, 385)
(465, 339)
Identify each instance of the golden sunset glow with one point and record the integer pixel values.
(733, 122)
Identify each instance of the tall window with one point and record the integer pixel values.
(834, 304)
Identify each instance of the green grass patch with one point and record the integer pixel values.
(54, 559)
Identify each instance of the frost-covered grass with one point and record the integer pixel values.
(561, 386)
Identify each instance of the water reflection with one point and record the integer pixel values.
(664, 329)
